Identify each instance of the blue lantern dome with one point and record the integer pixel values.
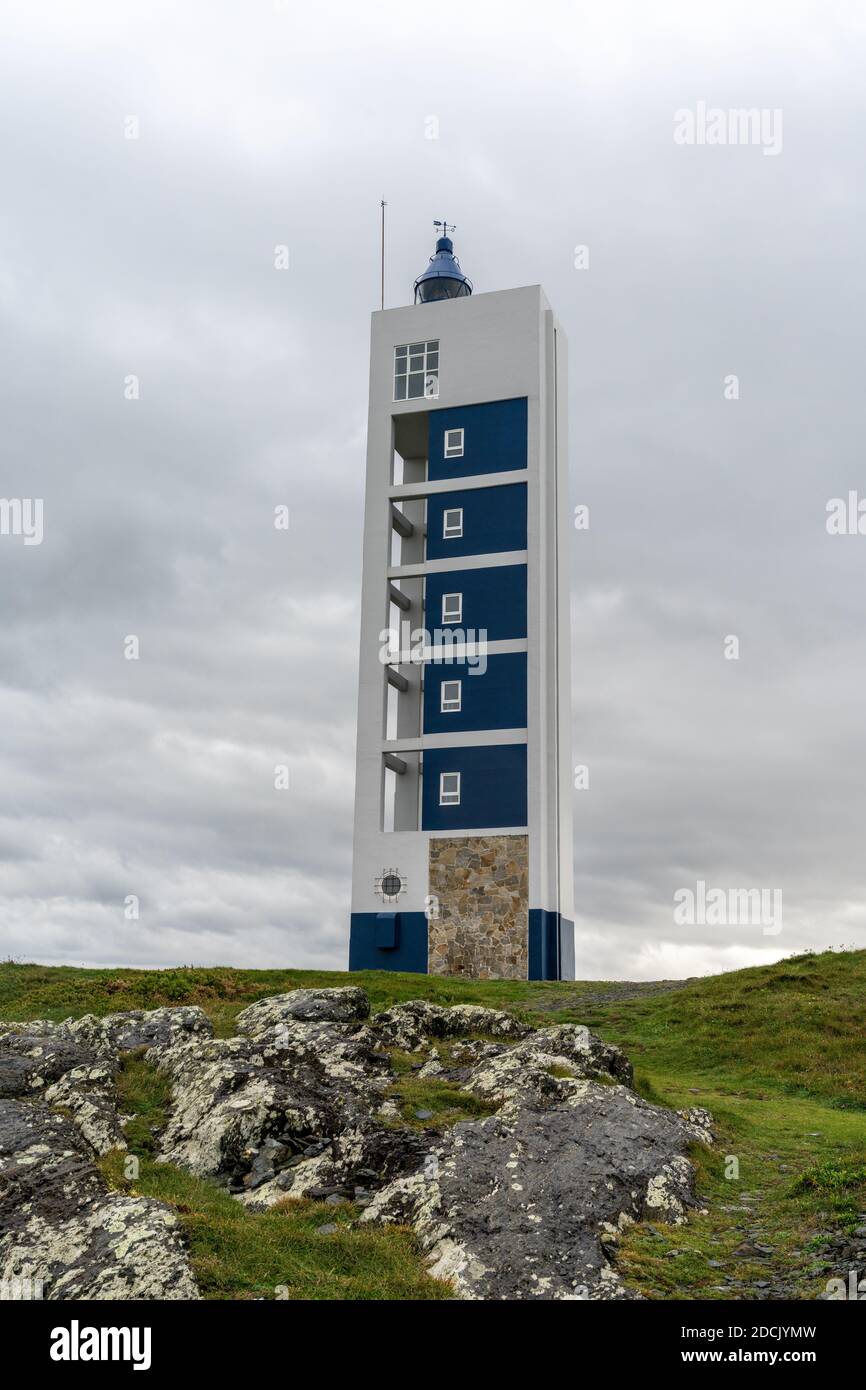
(443, 278)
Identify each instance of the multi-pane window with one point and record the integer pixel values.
(449, 788)
(416, 371)
(451, 696)
(454, 444)
(452, 608)
(452, 523)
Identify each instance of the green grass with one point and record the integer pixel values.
(795, 1028)
(279, 1253)
(833, 1177)
(776, 1140)
(777, 1053)
(145, 1095)
(446, 1103)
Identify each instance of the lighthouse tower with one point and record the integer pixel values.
(462, 842)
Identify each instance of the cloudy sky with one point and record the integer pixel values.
(263, 124)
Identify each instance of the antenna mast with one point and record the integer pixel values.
(382, 278)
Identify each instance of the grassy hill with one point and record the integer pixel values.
(777, 1053)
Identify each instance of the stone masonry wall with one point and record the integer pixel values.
(482, 884)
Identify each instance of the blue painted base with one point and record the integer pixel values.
(388, 941)
(551, 946)
(398, 941)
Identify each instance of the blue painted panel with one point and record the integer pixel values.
(551, 946)
(410, 952)
(492, 787)
(495, 699)
(494, 518)
(494, 598)
(494, 438)
(387, 933)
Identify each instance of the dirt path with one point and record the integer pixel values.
(591, 994)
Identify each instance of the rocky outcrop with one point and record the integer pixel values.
(30, 1060)
(293, 1107)
(529, 1067)
(62, 1230)
(526, 1203)
(349, 1005)
(529, 1202)
(88, 1096)
(298, 1084)
(72, 1065)
(127, 1032)
(410, 1026)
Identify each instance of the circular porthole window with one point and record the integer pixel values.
(390, 885)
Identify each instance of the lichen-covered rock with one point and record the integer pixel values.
(62, 1228)
(410, 1026)
(135, 1028)
(298, 1084)
(31, 1060)
(120, 1248)
(88, 1095)
(700, 1123)
(45, 1167)
(347, 1005)
(35, 1054)
(348, 1167)
(43, 1027)
(530, 1066)
(525, 1203)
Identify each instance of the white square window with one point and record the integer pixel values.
(452, 608)
(416, 371)
(452, 523)
(454, 444)
(449, 788)
(451, 696)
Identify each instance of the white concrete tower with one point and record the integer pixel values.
(462, 846)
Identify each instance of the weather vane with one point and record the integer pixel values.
(446, 227)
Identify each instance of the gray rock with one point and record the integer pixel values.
(89, 1096)
(409, 1026)
(523, 1204)
(525, 1069)
(46, 1169)
(370, 1155)
(60, 1226)
(44, 1027)
(126, 1032)
(73, 1064)
(348, 1005)
(30, 1061)
(700, 1121)
(298, 1083)
(33, 1055)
